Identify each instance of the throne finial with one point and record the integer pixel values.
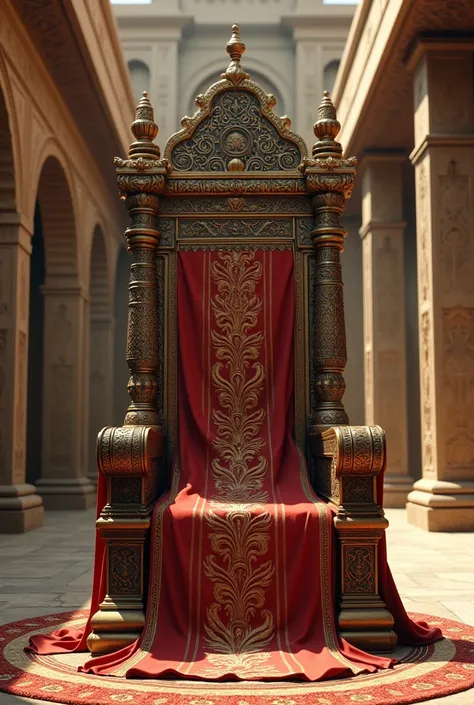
(145, 130)
(235, 48)
(326, 128)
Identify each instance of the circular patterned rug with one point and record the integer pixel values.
(442, 668)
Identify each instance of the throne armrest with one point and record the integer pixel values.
(347, 460)
(129, 457)
(129, 451)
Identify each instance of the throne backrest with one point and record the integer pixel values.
(234, 182)
(236, 177)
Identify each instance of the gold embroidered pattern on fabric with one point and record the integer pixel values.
(235, 635)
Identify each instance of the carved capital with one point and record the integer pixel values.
(325, 180)
(131, 181)
(129, 450)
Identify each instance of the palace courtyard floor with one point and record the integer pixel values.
(49, 570)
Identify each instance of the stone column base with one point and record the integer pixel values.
(21, 509)
(67, 494)
(436, 505)
(395, 490)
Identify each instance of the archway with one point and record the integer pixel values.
(121, 373)
(139, 76)
(330, 73)
(22, 508)
(101, 331)
(63, 483)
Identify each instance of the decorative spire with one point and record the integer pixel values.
(235, 48)
(326, 128)
(145, 130)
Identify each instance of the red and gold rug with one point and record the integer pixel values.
(422, 673)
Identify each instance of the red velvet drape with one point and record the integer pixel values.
(241, 581)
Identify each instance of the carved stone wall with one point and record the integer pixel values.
(444, 166)
(45, 156)
(181, 44)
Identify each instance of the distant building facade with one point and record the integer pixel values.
(174, 49)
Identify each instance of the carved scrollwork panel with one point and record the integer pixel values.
(125, 490)
(304, 226)
(358, 490)
(234, 187)
(166, 227)
(194, 247)
(236, 228)
(243, 204)
(235, 129)
(124, 570)
(359, 569)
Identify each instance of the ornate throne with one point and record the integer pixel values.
(236, 178)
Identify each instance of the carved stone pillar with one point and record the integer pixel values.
(443, 500)
(21, 509)
(64, 483)
(100, 382)
(382, 234)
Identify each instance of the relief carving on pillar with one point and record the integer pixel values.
(458, 377)
(61, 416)
(449, 73)
(387, 273)
(389, 403)
(61, 331)
(23, 293)
(20, 420)
(3, 351)
(426, 393)
(62, 374)
(455, 247)
(424, 244)
(5, 288)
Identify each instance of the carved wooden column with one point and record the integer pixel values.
(330, 178)
(382, 234)
(21, 509)
(129, 456)
(443, 500)
(346, 458)
(64, 483)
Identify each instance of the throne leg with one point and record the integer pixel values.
(363, 619)
(121, 615)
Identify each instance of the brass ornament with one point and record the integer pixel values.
(235, 48)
